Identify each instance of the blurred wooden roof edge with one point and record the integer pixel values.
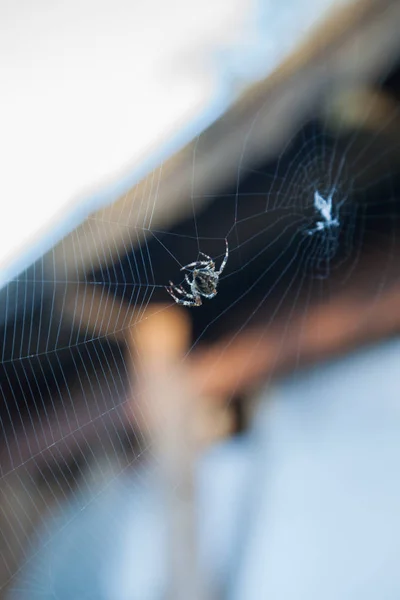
(355, 41)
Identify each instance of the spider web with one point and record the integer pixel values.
(301, 228)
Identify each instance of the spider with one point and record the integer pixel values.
(204, 282)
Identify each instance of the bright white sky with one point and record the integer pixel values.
(95, 93)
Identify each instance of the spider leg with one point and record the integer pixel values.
(223, 264)
(208, 296)
(182, 292)
(179, 290)
(206, 256)
(184, 303)
(197, 300)
(188, 280)
(194, 300)
(171, 293)
(197, 263)
(181, 300)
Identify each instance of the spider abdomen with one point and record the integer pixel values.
(205, 283)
